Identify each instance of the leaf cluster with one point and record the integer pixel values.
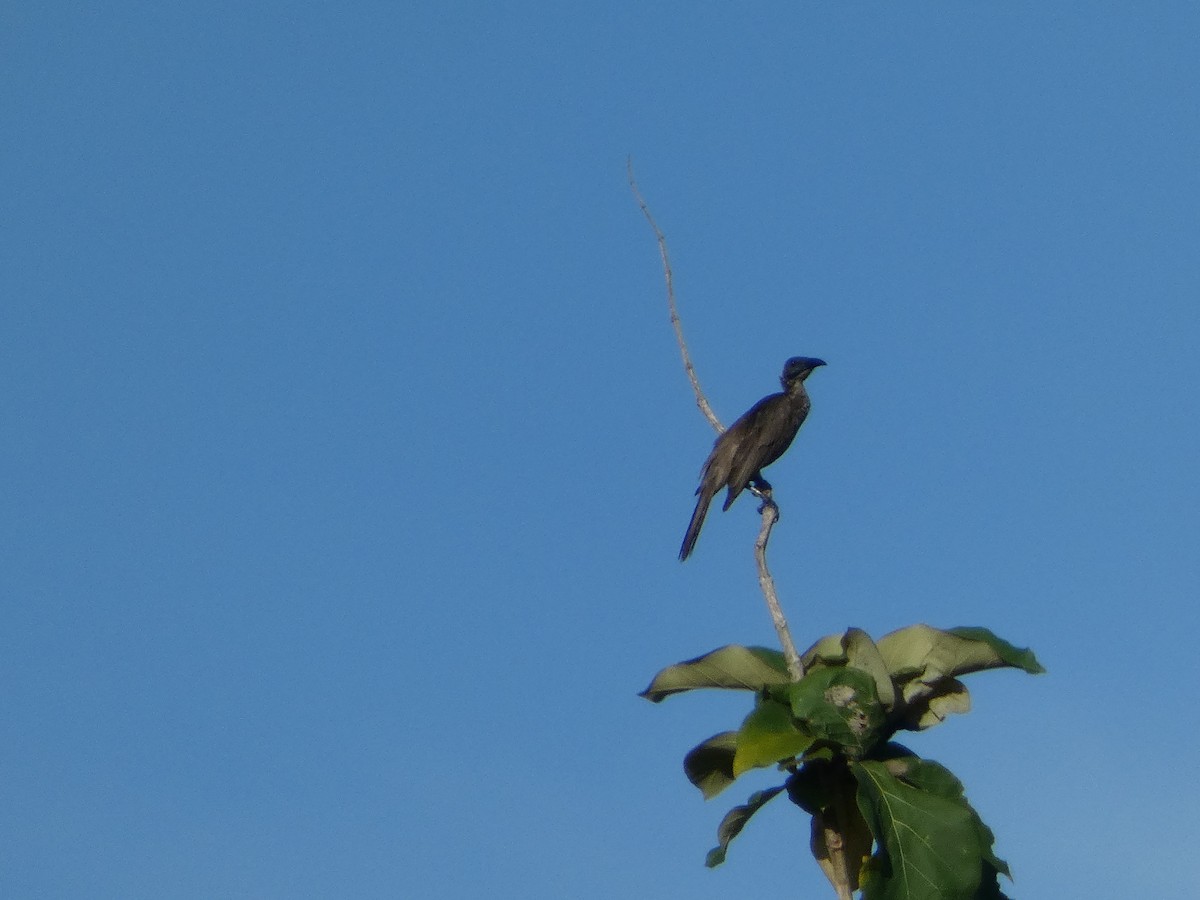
(832, 731)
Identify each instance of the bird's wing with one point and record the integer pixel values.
(757, 435)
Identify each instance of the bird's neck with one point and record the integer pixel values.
(795, 389)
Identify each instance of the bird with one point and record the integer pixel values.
(752, 443)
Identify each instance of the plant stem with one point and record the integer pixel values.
(676, 323)
(770, 515)
(835, 840)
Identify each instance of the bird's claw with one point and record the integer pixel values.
(762, 490)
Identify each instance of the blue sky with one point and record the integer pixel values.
(347, 451)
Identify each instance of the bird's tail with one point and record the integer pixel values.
(694, 526)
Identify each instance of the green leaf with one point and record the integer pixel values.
(1017, 657)
(838, 705)
(854, 648)
(767, 736)
(829, 650)
(949, 695)
(930, 843)
(735, 820)
(808, 786)
(957, 651)
(709, 765)
(924, 661)
(730, 667)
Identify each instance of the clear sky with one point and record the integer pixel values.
(346, 450)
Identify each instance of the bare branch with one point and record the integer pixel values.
(828, 836)
(769, 511)
(770, 515)
(688, 368)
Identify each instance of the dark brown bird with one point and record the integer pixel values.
(751, 444)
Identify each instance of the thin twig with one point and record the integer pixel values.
(832, 836)
(770, 515)
(688, 368)
(770, 512)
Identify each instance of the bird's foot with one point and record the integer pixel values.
(762, 490)
(760, 485)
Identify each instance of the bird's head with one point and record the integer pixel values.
(798, 368)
